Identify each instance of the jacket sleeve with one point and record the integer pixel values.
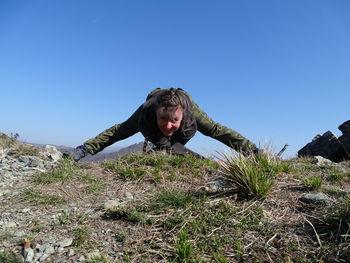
(221, 133)
(115, 133)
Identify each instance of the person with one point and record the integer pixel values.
(168, 119)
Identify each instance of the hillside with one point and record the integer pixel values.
(161, 208)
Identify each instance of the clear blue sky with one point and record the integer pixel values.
(271, 70)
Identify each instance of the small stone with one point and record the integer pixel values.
(59, 249)
(321, 161)
(49, 250)
(316, 198)
(20, 234)
(28, 254)
(111, 204)
(71, 253)
(4, 192)
(89, 212)
(14, 193)
(43, 257)
(52, 153)
(128, 196)
(65, 242)
(216, 185)
(25, 210)
(10, 224)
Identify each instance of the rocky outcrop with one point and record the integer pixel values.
(345, 138)
(18, 161)
(329, 146)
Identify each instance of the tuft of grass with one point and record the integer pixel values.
(68, 170)
(63, 173)
(126, 214)
(123, 170)
(338, 192)
(313, 182)
(334, 221)
(81, 235)
(158, 166)
(9, 257)
(336, 176)
(252, 175)
(169, 200)
(220, 258)
(98, 259)
(38, 198)
(121, 236)
(7, 141)
(183, 248)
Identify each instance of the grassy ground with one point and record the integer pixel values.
(170, 217)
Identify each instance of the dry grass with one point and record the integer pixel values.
(170, 219)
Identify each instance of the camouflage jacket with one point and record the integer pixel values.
(144, 120)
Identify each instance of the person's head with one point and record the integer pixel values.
(170, 108)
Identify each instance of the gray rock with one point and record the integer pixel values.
(10, 224)
(65, 242)
(216, 185)
(81, 258)
(52, 153)
(28, 255)
(43, 257)
(316, 198)
(89, 211)
(20, 234)
(321, 161)
(111, 204)
(70, 253)
(49, 250)
(128, 196)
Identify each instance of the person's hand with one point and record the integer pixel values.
(79, 153)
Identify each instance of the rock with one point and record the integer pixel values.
(81, 258)
(52, 153)
(49, 250)
(31, 161)
(89, 211)
(20, 234)
(111, 204)
(70, 253)
(320, 161)
(345, 138)
(345, 128)
(28, 254)
(327, 146)
(65, 242)
(128, 196)
(216, 185)
(10, 224)
(316, 198)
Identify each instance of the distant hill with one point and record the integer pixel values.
(137, 147)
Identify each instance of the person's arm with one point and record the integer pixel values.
(115, 133)
(221, 133)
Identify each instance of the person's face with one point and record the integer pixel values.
(169, 120)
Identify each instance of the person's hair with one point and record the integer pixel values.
(172, 98)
